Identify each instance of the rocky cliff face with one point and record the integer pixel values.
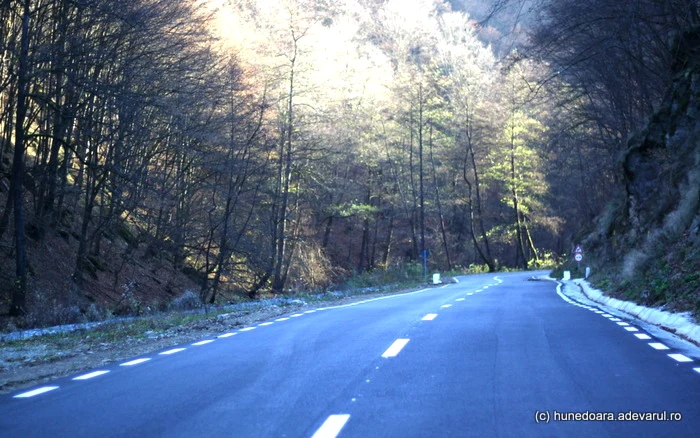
(654, 232)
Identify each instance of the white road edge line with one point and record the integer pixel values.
(173, 351)
(90, 375)
(134, 362)
(395, 348)
(204, 342)
(374, 299)
(37, 391)
(658, 346)
(429, 317)
(680, 358)
(332, 426)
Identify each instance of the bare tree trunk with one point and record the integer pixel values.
(19, 297)
(520, 244)
(278, 278)
(472, 189)
(423, 252)
(387, 242)
(443, 232)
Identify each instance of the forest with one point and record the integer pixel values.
(248, 146)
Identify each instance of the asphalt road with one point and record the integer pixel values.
(491, 356)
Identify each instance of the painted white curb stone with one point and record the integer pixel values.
(679, 323)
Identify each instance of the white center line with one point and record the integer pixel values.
(642, 336)
(226, 335)
(332, 426)
(90, 375)
(430, 317)
(395, 348)
(265, 323)
(204, 342)
(658, 346)
(680, 358)
(36, 392)
(281, 319)
(247, 329)
(135, 362)
(445, 306)
(459, 299)
(173, 351)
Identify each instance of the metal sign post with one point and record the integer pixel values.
(578, 256)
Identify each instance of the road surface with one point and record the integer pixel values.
(491, 356)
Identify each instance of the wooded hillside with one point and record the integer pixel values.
(232, 147)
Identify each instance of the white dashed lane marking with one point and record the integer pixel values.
(445, 306)
(622, 324)
(332, 426)
(429, 317)
(90, 375)
(395, 348)
(265, 324)
(658, 346)
(697, 370)
(281, 319)
(296, 315)
(37, 391)
(642, 336)
(459, 299)
(226, 335)
(631, 329)
(247, 329)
